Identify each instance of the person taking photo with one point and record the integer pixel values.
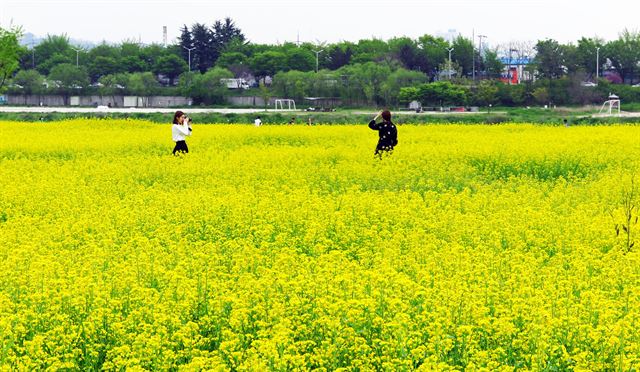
(180, 129)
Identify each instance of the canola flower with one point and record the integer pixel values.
(474, 248)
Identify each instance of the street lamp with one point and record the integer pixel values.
(597, 64)
(479, 49)
(450, 50)
(317, 52)
(189, 49)
(77, 54)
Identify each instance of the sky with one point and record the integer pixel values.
(278, 21)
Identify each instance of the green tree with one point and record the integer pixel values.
(206, 88)
(300, 60)
(231, 58)
(68, 79)
(550, 59)
(339, 55)
(268, 63)
(586, 54)
(133, 64)
(9, 54)
(398, 79)
(492, 64)
(442, 93)
(406, 51)
(54, 46)
(30, 80)
(541, 95)
(113, 84)
(203, 55)
(170, 66)
(624, 54)
(142, 84)
(370, 50)
(435, 52)
(487, 93)
(292, 84)
(364, 81)
(463, 54)
(46, 66)
(103, 65)
(408, 94)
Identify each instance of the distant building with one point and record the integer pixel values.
(514, 70)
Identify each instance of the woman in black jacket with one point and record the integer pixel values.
(387, 133)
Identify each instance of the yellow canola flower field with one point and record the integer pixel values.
(475, 248)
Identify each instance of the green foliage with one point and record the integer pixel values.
(442, 93)
(435, 51)
(292, 84)
(30, 80)
(9, 54)
(103, 65)
(142, 84)
(301, 60)
(408, 94)
(550, 59)
(231, 58)
(68, 78)
(205, 88)
(487, 93)
(398, 79)
(268, 63)
(463, 54)
(512, 95)
(55, 49)
(113, 84)
(171, 66)
(541, 95)
(492, 64)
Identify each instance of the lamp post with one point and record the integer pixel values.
(597, 64)
(320, 45)
(189, 49)
(77, 55)
(480, 46)
(317, 52)
(450, 50)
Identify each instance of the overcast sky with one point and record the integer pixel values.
(326, 20)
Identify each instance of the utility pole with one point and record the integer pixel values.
(450, 50)
(189, 49)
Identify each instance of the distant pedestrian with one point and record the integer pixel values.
(310, 122)
(292, 121)
(387, 133)
(257, 122)
(180, 129)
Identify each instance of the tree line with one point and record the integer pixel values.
(367, 72)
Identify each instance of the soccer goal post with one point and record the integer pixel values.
(280, 103)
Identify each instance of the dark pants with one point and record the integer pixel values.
(181, 146)
(383, 147)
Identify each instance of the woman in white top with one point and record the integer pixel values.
(180, 129)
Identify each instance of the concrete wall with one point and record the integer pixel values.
(114, 101)
(250, 101)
